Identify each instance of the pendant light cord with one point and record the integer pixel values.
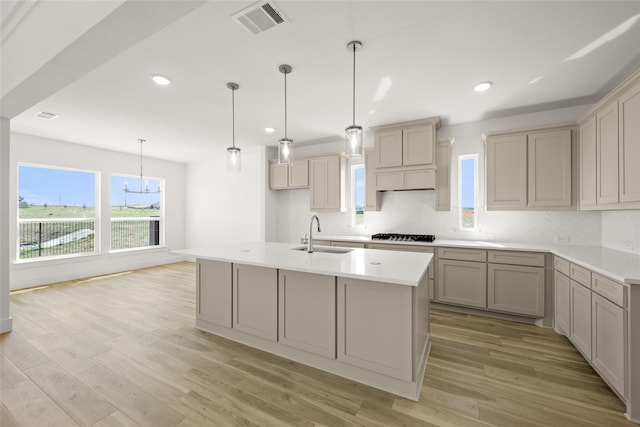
(233, 117)
(354, 84)
(285, 105)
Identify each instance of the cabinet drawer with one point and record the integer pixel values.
(462, 254)
(580, 275)
(613, 291)
(388, 181)
(561, 265)
(419, 179)
(533, 259)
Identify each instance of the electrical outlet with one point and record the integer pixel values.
(562, 240)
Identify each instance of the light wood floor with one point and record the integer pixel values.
(121, 350)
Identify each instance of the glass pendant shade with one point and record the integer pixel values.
(233, 152)
(233, 159)
(353, 137)
(353, 148)
(285, 153)
(285, 145)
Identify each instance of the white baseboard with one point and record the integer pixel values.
(6, 325)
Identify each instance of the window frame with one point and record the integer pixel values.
(476, 187)
(161, 217)
(96, 219)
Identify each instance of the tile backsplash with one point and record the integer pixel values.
(414, 212)
(621, 230)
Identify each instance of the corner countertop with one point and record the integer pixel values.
(621, 266)
(402, 268)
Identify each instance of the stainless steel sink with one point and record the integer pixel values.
(324, 249)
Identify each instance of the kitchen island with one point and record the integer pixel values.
(359, 313)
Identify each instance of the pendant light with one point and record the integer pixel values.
(353, 133)
(145, 189)
(285, 145)
(233, 152)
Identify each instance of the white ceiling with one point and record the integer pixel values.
(432, 53)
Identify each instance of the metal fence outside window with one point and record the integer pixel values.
(55, 237)
(131, 233)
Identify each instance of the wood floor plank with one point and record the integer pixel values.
(64, 355)
(29, 406)
(159, 386)
(116, 419)
(20, 352)
(9, 373)
(129, 398)
(75, 398)
(129, 338)
(6, 419)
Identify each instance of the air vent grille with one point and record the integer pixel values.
(260, 17)
(45, 115)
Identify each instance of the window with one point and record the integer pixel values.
(135, 214)
(468, 191)
(357, 195)
(56, 212)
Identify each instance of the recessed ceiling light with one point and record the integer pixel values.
(160, 79)
(270, 130)
(481, 87)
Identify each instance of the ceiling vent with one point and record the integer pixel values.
(260, 17)
(45, 115)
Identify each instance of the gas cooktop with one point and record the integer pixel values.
(404, 237)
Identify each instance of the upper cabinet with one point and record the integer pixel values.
(405, 155)
(372, 197)
(287, 177)
(327, 175)
(609, 150)
(530, 169)
(443, 174)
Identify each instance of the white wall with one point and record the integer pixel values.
(49, 152)
(224, 207)
(414, 211)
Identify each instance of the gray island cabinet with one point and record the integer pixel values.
(363, 315)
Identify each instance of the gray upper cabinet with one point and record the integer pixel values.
(549, 169)
(288, 177)
(588, 149)
(610, 149)
(506, 172)
(530, 169)
(607, 154)
(405, 155)
(443, 174)
(629, 145)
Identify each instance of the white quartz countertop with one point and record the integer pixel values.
(402, 268)
(621, 266)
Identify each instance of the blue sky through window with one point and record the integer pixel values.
(467, 174)
(56, 187)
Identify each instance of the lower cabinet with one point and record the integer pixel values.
(562, 294)
(580, 319)
(307, 315)
(462, 282)
(592, 311)
(385, 318)
(516, 289)
(255, 301)
(608, 349)
(213, 292)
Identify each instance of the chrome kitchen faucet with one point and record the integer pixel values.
(310, 241)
